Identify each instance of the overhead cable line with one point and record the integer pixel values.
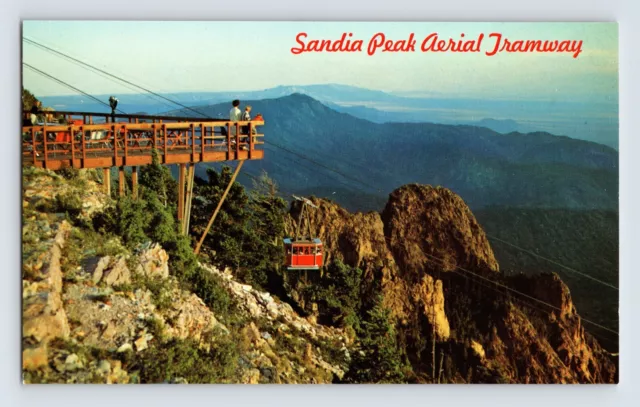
(94, 68)
(61, 82)
(520, 293)
(572, 270)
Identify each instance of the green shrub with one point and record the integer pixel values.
(69, 203)
(184, 359)
(160, 291)
(338, 295)
(69, 173)
(149, 219)
(128, 219)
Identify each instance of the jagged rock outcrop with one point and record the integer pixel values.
(437, 273)
(432, 230)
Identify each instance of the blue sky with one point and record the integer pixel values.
(226, 56)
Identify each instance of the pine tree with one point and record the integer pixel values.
(379, 358)
(28, 100)
(157, 179)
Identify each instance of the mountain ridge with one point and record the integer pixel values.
(577, 119)
(473, 161)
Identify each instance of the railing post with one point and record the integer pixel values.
(164, 131)
(115, 145)
(73, 149)
(126, 145)
(193, 142)
(202, 130)
(228, 140)
(250, 139)
(44, 133)
(155, 141)
(84, 147)
(237, 140)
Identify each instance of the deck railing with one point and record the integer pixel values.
(130, 139)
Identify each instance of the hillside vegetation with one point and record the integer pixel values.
(112, 293)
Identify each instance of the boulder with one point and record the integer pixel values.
(95, 266)
(191, 318)
(153, 261)
(34, 358)
(117, 274)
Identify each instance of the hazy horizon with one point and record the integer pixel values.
(554, 92)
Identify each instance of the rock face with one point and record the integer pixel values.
(43, 315)
(418, 250)
(432, 229)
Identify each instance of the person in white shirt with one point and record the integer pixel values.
(235, 115)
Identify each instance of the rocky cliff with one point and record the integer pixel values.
(430, 259)
(97, 312)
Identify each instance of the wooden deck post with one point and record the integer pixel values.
(215, 212)
(187, 210)
(106, 181)
(182, 168)
(134, 182)
(121, 181)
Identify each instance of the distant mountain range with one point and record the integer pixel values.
(582, 120)
(536, 170)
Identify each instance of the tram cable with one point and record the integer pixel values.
(570, 269)
(497, 284)
(96, 69)
(63, 83)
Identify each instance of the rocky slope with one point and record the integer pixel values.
(95, 312)
(431, 261)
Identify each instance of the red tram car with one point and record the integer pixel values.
(303, 254)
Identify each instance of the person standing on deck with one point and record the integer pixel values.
(113, 103)
(235, 115)
(246, 117)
